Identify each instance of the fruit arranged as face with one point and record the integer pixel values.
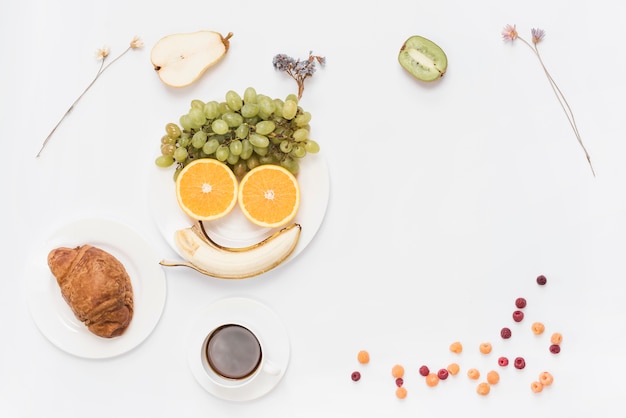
(423, 59)
(180, 59)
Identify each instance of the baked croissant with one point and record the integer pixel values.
(96, 286)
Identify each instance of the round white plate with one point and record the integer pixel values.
(234, 230)
(259, 319)
(53, 316)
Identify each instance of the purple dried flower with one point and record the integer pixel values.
(299, 70)
(537, 34)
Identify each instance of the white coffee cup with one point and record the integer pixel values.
(232, 356)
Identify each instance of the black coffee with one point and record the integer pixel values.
(233, 351)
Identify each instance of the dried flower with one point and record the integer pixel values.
(297, 69)
(509, 33)
(101, 54)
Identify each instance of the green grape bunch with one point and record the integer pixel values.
(243, 132)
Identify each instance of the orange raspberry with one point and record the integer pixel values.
(538, 328)
(473, 374)
(363, 357)
(397, 371)
(485, 348)
(536, 387)
(401, 392)
(432, 379)
(456, 347)
(453, 369)
(556, 338)
(483, 388)
(493, 377)
(546, 378)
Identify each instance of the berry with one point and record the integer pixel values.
(399, 382)
(518, 316)
(505, 333)
(519, 363)
(555, 349)
(541, 280)
(356, 376)
(442, 374)
(424, 370)
(520, 303)
(503, 362)
(363, 357)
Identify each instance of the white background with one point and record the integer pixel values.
(447, 200)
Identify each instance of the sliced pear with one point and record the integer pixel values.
(181, 58)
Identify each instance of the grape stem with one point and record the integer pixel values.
(101, 70)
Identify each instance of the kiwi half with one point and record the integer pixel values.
(423, 59)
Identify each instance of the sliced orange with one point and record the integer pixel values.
(269, 195)
(206, 189)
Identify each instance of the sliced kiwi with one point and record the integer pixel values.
(423, 58)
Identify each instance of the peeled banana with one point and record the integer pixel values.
(208, 257)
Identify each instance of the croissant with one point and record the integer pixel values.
(96, 286)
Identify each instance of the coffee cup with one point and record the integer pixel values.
(232, 356)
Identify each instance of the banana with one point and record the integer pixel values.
(208, 257)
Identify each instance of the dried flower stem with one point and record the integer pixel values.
(103, 54)
(298, 69)
(562, 100)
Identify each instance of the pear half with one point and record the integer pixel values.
(181, 58)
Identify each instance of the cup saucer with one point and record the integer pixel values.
(259, 319)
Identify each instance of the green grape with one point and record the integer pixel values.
(265, 127)
(286, 146)
(232, 159)
(235, 147)
(261, 152)
(267, 159)
(197, 117)
(198, 139)
(249, 95)
(164, 161)
(212, 110)
(233, 99)
(266, 105)
(166, 139)
(252, 162)
(184, 140)
(303, 119)
(298, 151)
(260, 141)
(276, 140)
(181, 154)
(292, 97)
(223, 107)
(168, 149)
(222, 152)
(278, 107)
(242, 131)
(246, 149)
(290, 164)
(311, 146)
(300, 135)
(232, 119)
(219, 126)
(250, 110)
(240, 168)
(290, 108)
(197, 104)
(172, 130)
(210, 146)
(185, 122)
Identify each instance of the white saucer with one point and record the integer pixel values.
(259, 319)
(53, 316)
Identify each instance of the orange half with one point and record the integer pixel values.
(269, 196)
(206, 189)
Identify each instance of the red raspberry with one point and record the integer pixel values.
(424, 371)
(518, 316)
(399, 382)
(356, 376)
(519, 363)
(555, 349)
(505, 333)
(503, 362)
(541, 280)
(520, 303)
(442, 374)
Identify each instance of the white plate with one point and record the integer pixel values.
(234, 230)
(259, 319)
(53, 316)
